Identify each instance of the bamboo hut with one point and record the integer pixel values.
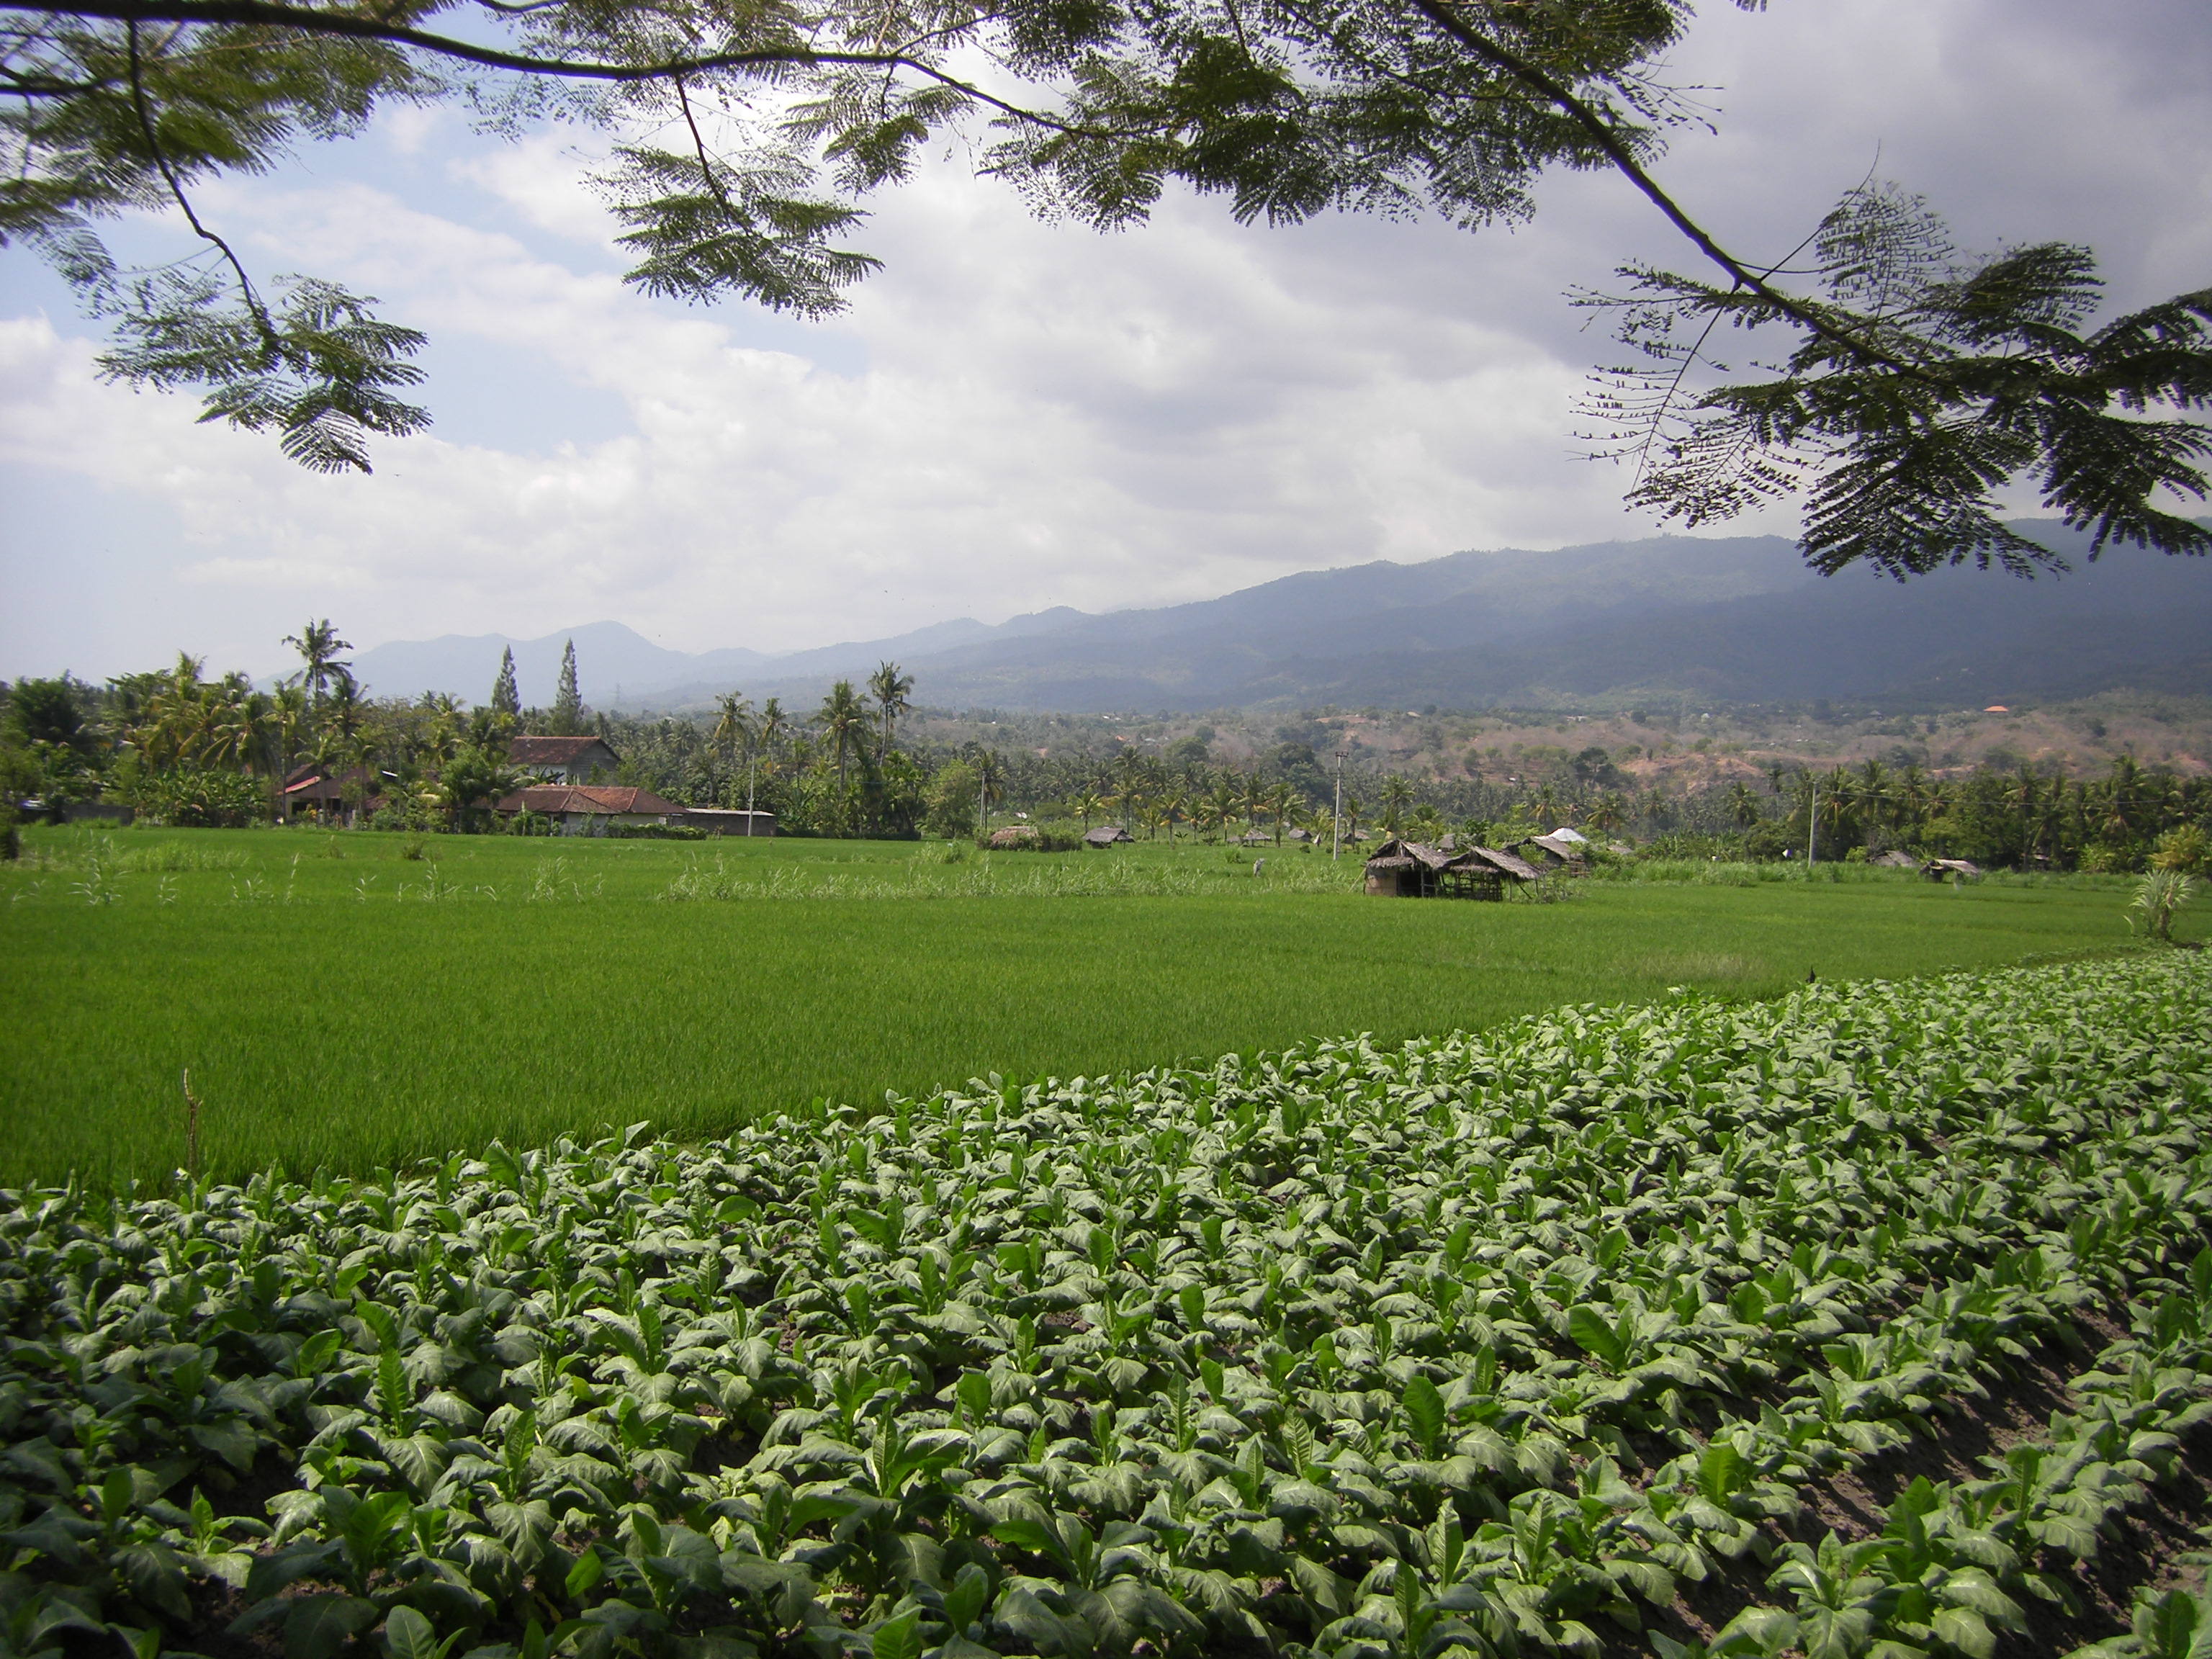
(1554, 852)
(1947, 869)
(1410, 869)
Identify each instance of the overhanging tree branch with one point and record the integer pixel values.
(355, 27)
(1578, 110)
(145, 114)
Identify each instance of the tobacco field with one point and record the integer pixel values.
(1543, 1341)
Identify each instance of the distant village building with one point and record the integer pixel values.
(569, 760)
(321, 792)
(588, 808)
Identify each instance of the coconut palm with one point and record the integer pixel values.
(1282, 801)
(990, 782)
(1347, 820)
(1872, 795)
(1129, 785)
(1254, 798)
(1086, 804)
(1743, 805)
(1612, 811)
(318, 646)
(735, 726)
(1911, 797)
(1222, 802)
(1397, 796)
(842, 719)
(1174, 806)
(889, 689)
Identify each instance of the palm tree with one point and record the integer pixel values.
(1130, 789)
(773, 724)
(1222, 801)
(1085, 805)
(1206, 814)
(735, 726)
(844, 717)
(1742, 805)
(1911, 795)
(1873, 792)
(1397, 796)
(990, 782)
(890, 688)
(1348, 820)
(1836, 802)
(1612, 811)
(1255, 798)
(1172, 809)
(318, 646)
(1281, 801)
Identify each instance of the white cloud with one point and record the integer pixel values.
(1014, 415)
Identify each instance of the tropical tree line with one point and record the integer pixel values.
(180, 747)
(183, 748)
(2131, 819)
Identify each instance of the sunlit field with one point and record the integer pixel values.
(340, 1003)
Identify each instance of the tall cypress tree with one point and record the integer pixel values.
(567, 701)
(506, 699)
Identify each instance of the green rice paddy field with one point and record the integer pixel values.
(341, 1003)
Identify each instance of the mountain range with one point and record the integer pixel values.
(1734, 619)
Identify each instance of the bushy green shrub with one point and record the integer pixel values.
(191, 799)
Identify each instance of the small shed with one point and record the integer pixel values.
(1944, 869)
(1896, 859)
(1255, 838)
(1408, 869)
(1105, 836)
(1014, 837)
(1555, 852)
(726, 821)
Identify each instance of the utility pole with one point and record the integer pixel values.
(1812, 816)
(1336, 823)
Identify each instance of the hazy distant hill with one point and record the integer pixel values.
(1737, 619)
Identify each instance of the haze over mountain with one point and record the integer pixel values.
(1734, 619)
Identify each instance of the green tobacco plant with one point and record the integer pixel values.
(1483, 1343)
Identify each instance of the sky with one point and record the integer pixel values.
(1012, 415)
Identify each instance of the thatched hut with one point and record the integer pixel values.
(1553, 853)
(1106, 834)
(1014, 835)
(1947, 869)
(1409, 869)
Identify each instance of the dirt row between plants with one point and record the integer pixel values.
(2143, 1549)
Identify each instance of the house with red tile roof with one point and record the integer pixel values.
(585, 809)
